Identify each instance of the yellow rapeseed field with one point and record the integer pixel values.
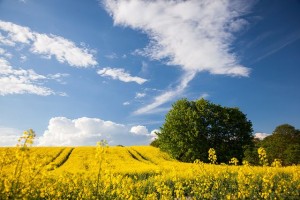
(136, 172)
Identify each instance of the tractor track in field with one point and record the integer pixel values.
(61, 158)
(66, 157)
(143, 157)
(139, 157)
(54, 157)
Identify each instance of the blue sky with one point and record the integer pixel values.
(80, 71)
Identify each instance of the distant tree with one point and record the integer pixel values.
(292, 154)
(287, 130)
(283, 144)
(191, 128)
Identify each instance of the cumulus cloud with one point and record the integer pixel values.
(21, 81)
(87, 131)
(47, 45)
(194, 35)
(139, 130)
(120, 74)
(5, 41)
(261, 136)
(153, 134)
(143, 131)
(5, 53)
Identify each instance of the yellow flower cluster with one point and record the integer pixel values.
(137, 172)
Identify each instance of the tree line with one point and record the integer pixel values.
(191, 128)
(282, 144)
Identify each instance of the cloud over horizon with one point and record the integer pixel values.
(261, 136)
(194, 35)
(9, 136)
(63, 131)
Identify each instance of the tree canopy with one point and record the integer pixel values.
(283, 144)
(191, 128)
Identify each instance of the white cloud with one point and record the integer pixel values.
(9, 136)
(59, 77)
(17, 33)
(166, 96)
(261, 136)
(153, 134)
(82, 131)
(111, 56)
(142, 130)
(139, 130)
(5, 53)
(64, 50)
(126, 103)
(139, 95)
(6, 41)
(21, 81)
(87, 131)
(23, 58)
(120, 74)
(194, 35)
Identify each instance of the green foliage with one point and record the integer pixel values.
(192, 127)
(155, 143)
(283, 144)
(250, 152)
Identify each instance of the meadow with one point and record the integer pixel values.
(135, 172)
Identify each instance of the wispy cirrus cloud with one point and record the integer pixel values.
(21, 81)
(47, 45)
(166, 96)
(195, 35)
(111, 56)
(120, 74)
(276, 46)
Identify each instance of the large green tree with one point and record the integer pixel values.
(283, 144)
(192, 127)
